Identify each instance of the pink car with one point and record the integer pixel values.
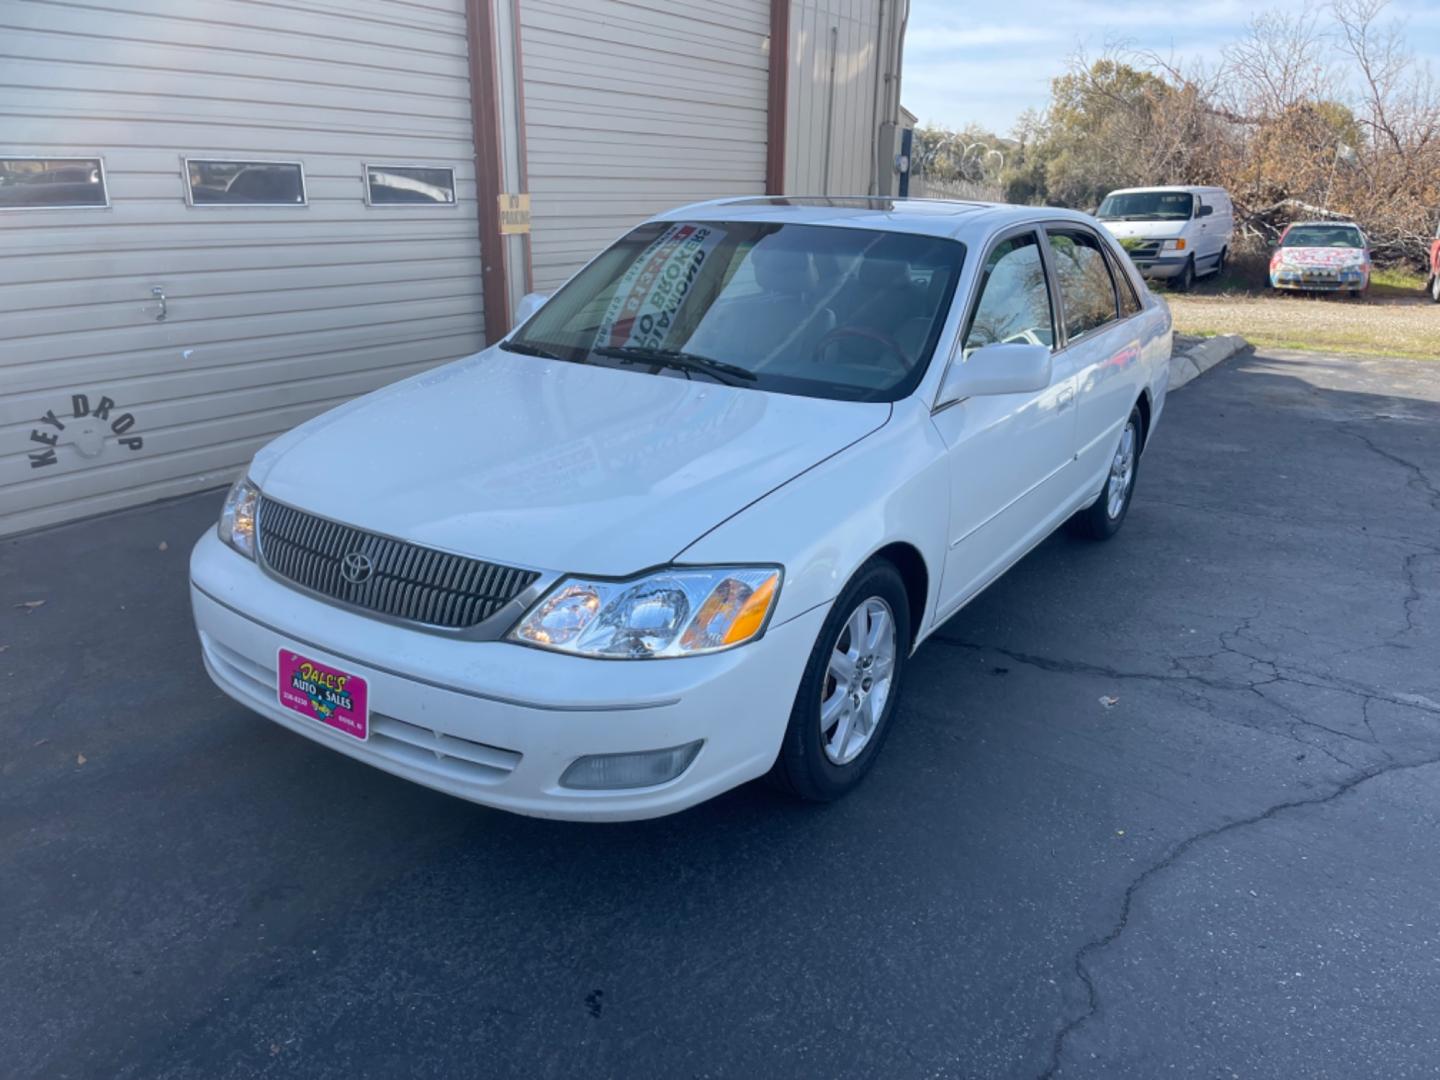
(1322, 256)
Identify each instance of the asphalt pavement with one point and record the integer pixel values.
(1166, 806)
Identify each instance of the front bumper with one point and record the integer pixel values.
(1160, 266)
(1321, 281)
(498, 723)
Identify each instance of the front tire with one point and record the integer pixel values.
(1435, 288)
(1102, 519)
(846, 700)
(1186, 279)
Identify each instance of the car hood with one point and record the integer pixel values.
(1321, 257)
(1147, 230)
(554, 465)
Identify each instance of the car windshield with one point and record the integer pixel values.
(816, 310)
(1336, 236)
(1147, 206)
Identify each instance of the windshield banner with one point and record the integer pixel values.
(1324, 257)
(656, 286)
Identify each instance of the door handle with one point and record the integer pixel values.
(159, 293)
(1066, 399)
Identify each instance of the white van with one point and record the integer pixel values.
(1179, 233)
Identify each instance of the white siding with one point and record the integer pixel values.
(633, 106)
(274, 313)
(846, 31)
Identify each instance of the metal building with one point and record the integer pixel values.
(221, 217)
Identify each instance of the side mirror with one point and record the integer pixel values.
(529, 304)
(1205, 211)
(1006, 368)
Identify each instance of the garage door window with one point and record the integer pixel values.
(244, 183)
(409, 185)
(52, 183)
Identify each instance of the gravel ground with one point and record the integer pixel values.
(1392, 326)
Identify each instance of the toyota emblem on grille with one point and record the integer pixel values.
(356, 567)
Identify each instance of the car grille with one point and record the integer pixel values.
(404, 581)
(1143, 249)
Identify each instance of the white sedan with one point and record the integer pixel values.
(684, 526)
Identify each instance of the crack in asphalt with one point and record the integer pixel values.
(1180, 674)
(1270, 673)
(1252, 514)
(1419, 481)
(1095, 945)
(1413, 596)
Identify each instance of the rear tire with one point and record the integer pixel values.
(852, 678)
(1435, 288)
(1224, 261)
(1102, 519)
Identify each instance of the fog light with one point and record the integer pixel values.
(646, 768)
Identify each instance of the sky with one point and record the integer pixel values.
(968, 61)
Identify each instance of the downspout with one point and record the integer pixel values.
(894, 52)
(830, 109)
(522, 151)
(900, 61)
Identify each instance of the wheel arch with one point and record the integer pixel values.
(907, 559)
(1143, 404)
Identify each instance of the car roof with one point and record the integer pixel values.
(926, 217)
(1346, 224)
(1189, 190)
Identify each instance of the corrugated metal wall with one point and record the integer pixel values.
(275, 314)
(834, 54)
(634, 106)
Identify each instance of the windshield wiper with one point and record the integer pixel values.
(687, 362)
(526, 349)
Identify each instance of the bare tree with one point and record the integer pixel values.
(1276, 66)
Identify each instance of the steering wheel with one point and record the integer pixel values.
(888, 343)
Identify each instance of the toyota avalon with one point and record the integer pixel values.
(685, 525)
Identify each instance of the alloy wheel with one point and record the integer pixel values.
(1122, 472)
(857, 681)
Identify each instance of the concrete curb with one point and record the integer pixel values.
(1195, 356)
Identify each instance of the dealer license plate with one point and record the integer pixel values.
(335, 698)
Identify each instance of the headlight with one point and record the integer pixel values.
(679, 611)
(1175, 245)
(237, 519)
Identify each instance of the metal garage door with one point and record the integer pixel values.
(633, 106)
(272, 313)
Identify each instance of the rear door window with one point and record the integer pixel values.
(1124, 287)
(1087, 291)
